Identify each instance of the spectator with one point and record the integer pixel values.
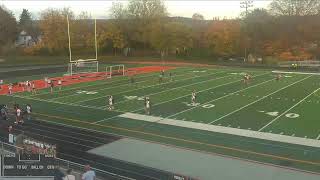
(58, 175)
(69, 176)
(89, 174)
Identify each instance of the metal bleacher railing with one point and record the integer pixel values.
(305, 63)
(6, 148)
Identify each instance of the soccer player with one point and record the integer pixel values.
(34, 88)
(132, 79)
(147, 105)
(278, 77)
(60, 84)
(51, 86)
(1, 82)
(10, 89)
(29, 86)
(18, 115)
(28, 111)
(4, 112)
(111, 102)
(46, 80)
(193, 97)
(160, 78)
(171, 76)
(246, 78)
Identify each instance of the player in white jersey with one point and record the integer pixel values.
(46, 81)
(110, 101)
(28, 111)
(1, 83)
(18, 115)
(193, 97)
(10, 89)
(60, 84)
(147, 105)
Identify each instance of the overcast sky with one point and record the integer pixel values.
(100, 9)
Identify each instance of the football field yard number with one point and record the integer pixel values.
(86, 92)
(141, 98)
(276, 113)
(207, 106)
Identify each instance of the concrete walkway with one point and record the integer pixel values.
(195, 164)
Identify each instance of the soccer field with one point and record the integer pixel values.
(265, 120)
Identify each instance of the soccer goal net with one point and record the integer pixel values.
(81, 67)
(115, 70)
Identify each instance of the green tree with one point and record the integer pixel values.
(197, 16)
(26, 23)
(171, 36)
(224, 38)
(109, 34)
(143, 14)
(25, 18)
(53, 25)
(259, 27)
(295, 7)
(8, 28)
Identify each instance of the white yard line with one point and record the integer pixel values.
(103, 83)
(222, 97)
(318, 137)
(177, 88)
(257, 100)
(68, 104)
(288, 110)
(111, 86)
(157, 84)
(197, 92)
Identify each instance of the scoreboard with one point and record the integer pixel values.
(27, 165)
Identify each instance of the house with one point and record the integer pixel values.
(24, 40)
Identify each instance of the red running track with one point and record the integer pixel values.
(80, 78)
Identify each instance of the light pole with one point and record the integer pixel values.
(246, 4)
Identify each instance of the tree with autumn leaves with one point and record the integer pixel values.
(288, 30)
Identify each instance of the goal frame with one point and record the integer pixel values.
(110, 69)
(71, 64)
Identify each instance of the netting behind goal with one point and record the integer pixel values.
(81, 67)
(115, 70)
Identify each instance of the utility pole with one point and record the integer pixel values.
(246, 4)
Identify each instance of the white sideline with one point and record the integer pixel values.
(291, 72)
(225, 130)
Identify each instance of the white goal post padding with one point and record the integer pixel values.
(115, 70)
(83, 66)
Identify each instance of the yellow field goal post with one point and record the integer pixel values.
(80, 66)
